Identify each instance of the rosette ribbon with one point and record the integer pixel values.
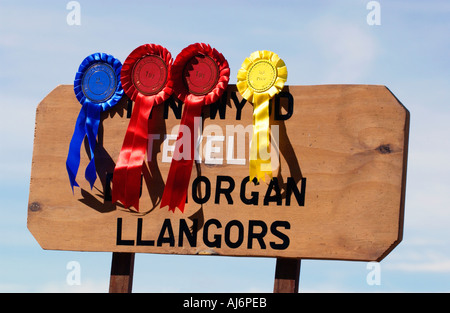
(200, 75)
(146, 80)
(260, 78)
(98, 88)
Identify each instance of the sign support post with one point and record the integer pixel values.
(122, 267)
(287, 275)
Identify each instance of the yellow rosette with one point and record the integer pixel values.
(260, 78)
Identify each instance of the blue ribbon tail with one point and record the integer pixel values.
(92, 123)
(73, 158)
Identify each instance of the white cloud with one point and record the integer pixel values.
(88, 286)
(57, 287)
(434, 266)
(325, 287)
(347, 49)
(421, 256)
(12, 288)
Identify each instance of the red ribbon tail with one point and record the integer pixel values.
(127, 174)
(175, 191)
(118, 188)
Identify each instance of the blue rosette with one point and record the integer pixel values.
(98, 88)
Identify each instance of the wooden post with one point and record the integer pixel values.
(287, 275)
(122, 267)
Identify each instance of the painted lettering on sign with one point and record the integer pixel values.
(220, 107)
(225, 185)
(233, 234)
(216, 234)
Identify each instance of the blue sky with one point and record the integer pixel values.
(322, 42)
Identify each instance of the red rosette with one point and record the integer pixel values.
(139, 55)
(145, 78)
(185, 63)
(200, 76)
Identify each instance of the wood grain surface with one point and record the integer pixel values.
(339, 190)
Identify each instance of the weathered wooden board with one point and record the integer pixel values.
(341, 176)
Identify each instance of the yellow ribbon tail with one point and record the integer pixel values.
(260, 161)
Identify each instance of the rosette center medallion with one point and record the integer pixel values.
(99, 82)
(149, 74)
(201, 74)
(261, 75)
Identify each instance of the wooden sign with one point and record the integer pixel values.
(339, 157)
